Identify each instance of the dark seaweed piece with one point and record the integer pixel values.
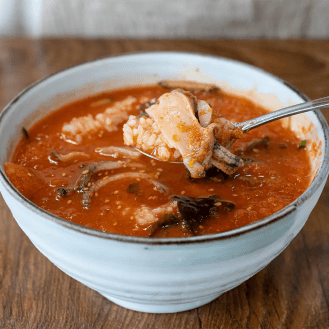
(215, 172)
(25, 133)
(302, 144)
(133, 188)
(283, 145)
(194, 211)
(262, 142)
(224, 160)
(165, 221)
(212, 173)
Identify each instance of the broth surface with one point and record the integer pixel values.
(274, 174)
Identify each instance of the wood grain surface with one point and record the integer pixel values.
(291, 292)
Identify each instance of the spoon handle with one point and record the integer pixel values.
(285, 112)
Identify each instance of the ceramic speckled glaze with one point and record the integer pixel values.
(159, 275)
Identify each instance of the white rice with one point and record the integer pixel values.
(144, 134)
(109, 120)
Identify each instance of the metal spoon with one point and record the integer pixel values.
(245, 126)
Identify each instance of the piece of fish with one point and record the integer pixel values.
(173, 130)
(174, 115)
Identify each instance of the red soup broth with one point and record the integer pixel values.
(274, 174)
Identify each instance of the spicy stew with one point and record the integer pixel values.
(275, 172)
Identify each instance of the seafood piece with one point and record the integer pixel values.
(174, 115)
(116, 151)
(173, 131)
(87, 194)
(146, 215)
(227, 133)
(224, 160)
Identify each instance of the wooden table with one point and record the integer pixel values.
(291, 292)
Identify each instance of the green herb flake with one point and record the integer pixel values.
(302, 145)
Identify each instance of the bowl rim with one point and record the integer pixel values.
(259, 224)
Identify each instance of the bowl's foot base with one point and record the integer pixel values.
(159, 308)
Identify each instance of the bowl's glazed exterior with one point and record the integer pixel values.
(155, 275)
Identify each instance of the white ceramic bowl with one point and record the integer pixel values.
(159, 275)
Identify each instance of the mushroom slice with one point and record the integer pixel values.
(188, 85)
(116, 151)
(69, 156)
(204, 113)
